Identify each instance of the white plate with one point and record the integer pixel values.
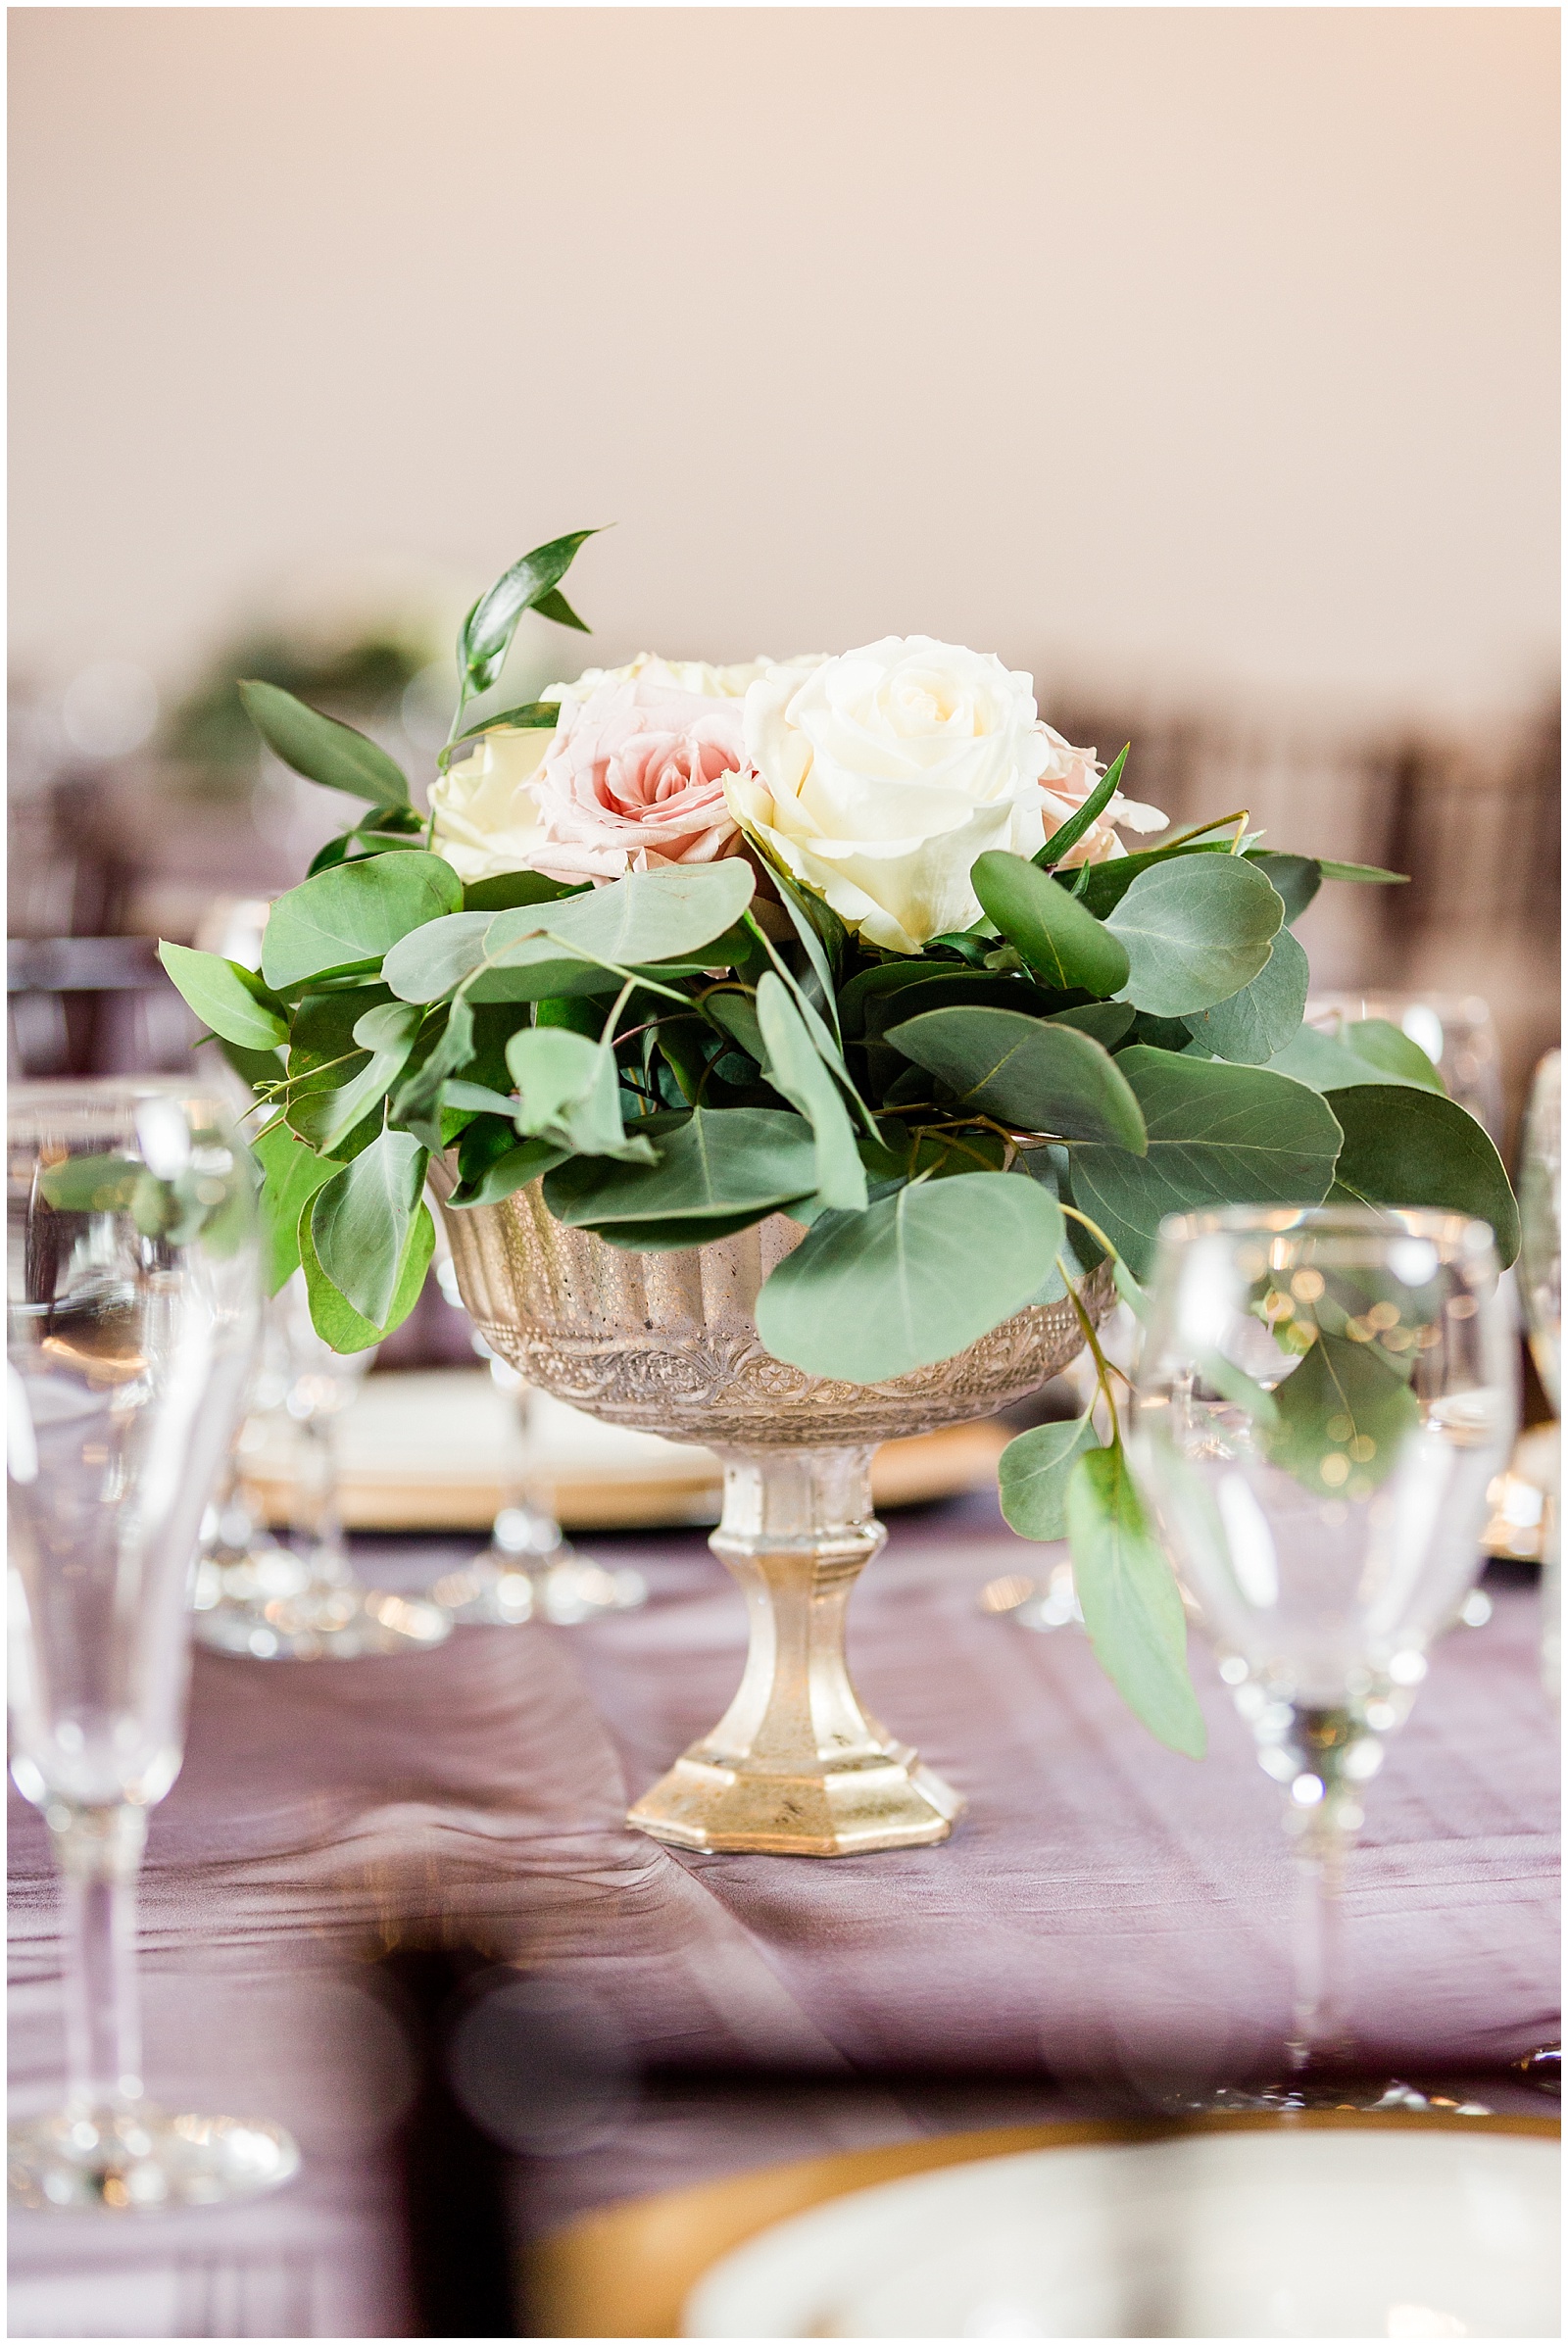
(1332, 2233)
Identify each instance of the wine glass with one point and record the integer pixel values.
(1324, 1396)
(131, 1324)
(1454, 1030)
(300, 1602)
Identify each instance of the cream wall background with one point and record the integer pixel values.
(1209, 349)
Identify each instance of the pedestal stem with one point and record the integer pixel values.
(797, 1765)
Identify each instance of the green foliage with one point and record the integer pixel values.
(322, 749)
(231, 1000)
(1217, 1136)
(347, 919)
(912, 1279)
(1196, 930)
(493, 1165)
(1034, 1472)
(326, 1116)
(569, 1094)
(1341, 1418)
(1251, 1026)
(1404, 1146)
(1068, 948)
(796, 1069)
(1130, 1603)
(485, 636)
(361, 1220)
(291, 1174)
(1066, 836)
(1032, 1074)
(1327, 1063)
(335, 1319)
(734, 1164)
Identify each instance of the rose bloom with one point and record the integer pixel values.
(878, 778)
(624, 792)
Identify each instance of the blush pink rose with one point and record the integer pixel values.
(634, 780)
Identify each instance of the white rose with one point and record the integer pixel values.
(681, 675)
(486, 813)
(878, 778)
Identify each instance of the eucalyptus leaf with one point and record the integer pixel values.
(418, 1105)
(1388, 1050)
(1295, 878)
(1131, 1605)
(486, 633)
(1065, 837)
(360, 1219)
(291, 1174)
(1252, 1026)
(1033, 1473)
(1065, 945)
(1341, 1419)
(794, 1067)
(1107, 1023)
(233, 1001)
(431, 962)
(493, 1165)
(1367, 874)
(1217, 1136)
(1404, 1146)
(1195, 931)
(324, 1117)
(509, 888)
(334, 1318)
(569, 1094)
(89, 1184)
(350, 918)
(737, 1014)
(1326, 1063)
(322, 749)
(648, 916)
(915, 1277)
(1032, 1075)
(682, 1233)
(745, 1161)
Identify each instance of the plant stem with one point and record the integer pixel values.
(1101, 1365)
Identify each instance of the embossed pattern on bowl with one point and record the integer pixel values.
(668, 1342)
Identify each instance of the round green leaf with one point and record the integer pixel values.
(1405, 1147)
(347, 918)
(1033, 1473)
(1196, 929)
(1252, 1025)
(1063, 942)
(1034, 1075)
(914, 1278)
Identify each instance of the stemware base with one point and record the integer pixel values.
(139, 2159)
(1297, 2094)
(274, 1606)
(500, 1589)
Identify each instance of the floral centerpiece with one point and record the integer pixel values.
(855, 939)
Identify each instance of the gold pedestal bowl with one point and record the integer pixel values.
(668, 1342)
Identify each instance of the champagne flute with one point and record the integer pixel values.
(131, 1326)
(1324, 1396)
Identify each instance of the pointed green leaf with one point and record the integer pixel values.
(569, 1093)
(1252, 1026)
(1197, 930)
(1031, 1074)
(1217, 1136)
(1368, 874)
(734, 1161)
(486, 634)
(361, 1219)
(1033, 1473)
(348, 918)
(794, 1068)
(1404, 1146)
(334, 1319)
(1065, 945)
(1131, 1605)
(914, 1278)
(230, 1000)
(326, 1117)
(1066, 836)
(322, 749)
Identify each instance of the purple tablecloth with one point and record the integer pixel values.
(1108, 1920)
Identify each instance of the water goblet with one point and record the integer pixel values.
(131, 1326)
(1323, 1398)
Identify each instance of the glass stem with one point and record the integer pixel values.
(1318, 2034)
(317, 1504)
(98, 1851)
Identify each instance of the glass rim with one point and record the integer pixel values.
(1463, 1234)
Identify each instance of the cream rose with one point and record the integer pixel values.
(486, 814)
(675, 675)
(877, 779)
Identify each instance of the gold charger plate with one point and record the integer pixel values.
(626, 2270)
(439, 1450)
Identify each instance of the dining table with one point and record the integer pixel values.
(1108, 1930)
